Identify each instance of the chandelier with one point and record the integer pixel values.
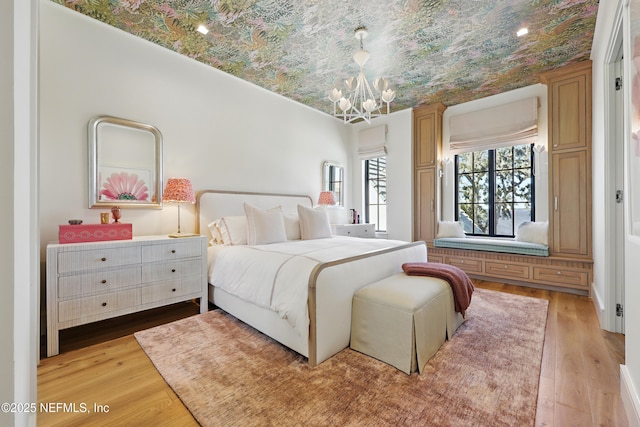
(359, 101)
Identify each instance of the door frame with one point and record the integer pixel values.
(614, 163)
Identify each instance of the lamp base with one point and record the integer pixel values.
(175, 235)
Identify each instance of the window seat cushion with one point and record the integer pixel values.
(510, 246)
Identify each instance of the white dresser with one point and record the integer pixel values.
(354, 230)
(87, 282)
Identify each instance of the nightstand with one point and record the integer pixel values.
(87, 282)
(354, 230)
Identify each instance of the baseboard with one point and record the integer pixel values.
(630, 397)
(598, 305)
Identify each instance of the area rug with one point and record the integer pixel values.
(228, 374)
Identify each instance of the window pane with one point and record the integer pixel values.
(465, 163)
(481, 161)
(481, 219)
(503, 218)
(504, 158)
(482, 187)
(465, 216)
(376, 193)
(522, 156)
(504, 186)
(522, 184)
(465, 189)
(522, 212)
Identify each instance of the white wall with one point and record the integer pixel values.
(19, 261)
(7, 372)
(399, 173)
(219, 131)
(541, 182)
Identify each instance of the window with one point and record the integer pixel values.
(375, 192)
(495, 190)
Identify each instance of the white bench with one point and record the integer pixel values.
(403, 320)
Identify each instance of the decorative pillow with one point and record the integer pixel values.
(230, 230)
(450, 229)
(264, 226)
(216, 237)
(533, 232)
(292, 226)
(314, 223)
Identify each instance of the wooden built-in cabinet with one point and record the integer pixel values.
(427, 148)
(569, 265)
(569, 101)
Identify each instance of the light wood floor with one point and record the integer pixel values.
(579, 380)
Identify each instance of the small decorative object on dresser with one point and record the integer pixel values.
(87, 282)
(354, 230)
(116, 213)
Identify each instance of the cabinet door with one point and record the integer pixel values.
(425, 222)
(426, 139)
(570, 203)
(570, 111)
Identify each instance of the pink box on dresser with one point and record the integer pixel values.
(94, 232)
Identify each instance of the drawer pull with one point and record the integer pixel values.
(173, 290)
(103, 281)
(173, 270)
(173, 251)
(461, 261)
(104, 304)
(103, 259)
(559, 273)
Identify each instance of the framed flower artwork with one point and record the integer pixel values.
(125, 163)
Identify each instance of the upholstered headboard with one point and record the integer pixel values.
(213, 204)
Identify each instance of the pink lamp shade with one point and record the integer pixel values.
(178, 190)
(326, 198)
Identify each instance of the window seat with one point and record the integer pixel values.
(510, 246)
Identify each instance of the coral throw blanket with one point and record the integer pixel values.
(458, 280)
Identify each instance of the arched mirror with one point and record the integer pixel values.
(333, 180)
(125, 163)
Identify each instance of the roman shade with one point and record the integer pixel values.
(371, 143)
(506, 125)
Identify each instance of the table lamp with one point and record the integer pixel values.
(179, 190)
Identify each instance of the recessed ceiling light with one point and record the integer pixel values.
(522, 31)
(202, 29)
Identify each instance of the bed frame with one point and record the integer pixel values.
(331, 284)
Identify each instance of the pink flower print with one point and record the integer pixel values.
(122, 186)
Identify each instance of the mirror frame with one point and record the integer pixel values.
(97, 141)
(326, 186)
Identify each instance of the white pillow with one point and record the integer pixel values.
(216, 237)
(533, 232)
(314, 223)
(292, 226)
(264, 226)
(450, 229)
(231, 230)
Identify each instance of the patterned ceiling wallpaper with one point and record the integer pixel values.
(430, 50)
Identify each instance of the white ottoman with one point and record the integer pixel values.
(403, 320)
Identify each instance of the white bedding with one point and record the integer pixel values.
(276, 276)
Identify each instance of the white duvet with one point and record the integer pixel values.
(276, 276)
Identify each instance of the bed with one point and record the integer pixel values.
(327, 271)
